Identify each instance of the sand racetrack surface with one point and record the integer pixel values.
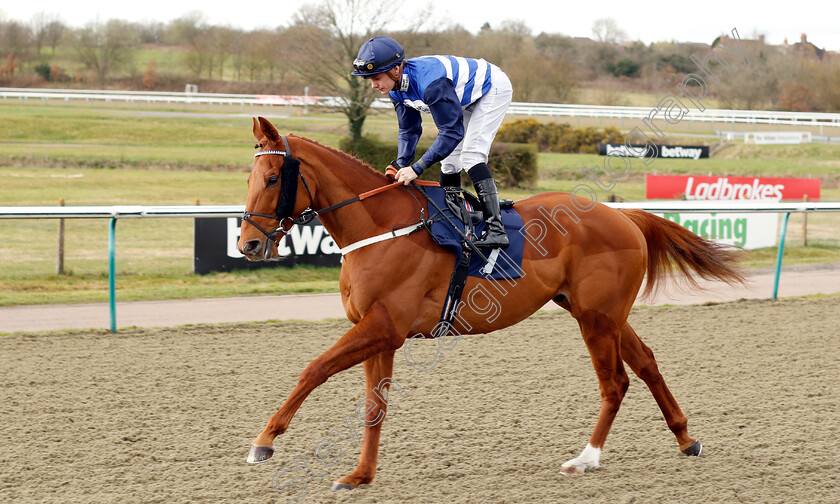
(167, 415)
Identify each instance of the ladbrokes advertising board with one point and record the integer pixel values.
(747, 230)
(698, 187)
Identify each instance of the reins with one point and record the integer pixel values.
(288, 196)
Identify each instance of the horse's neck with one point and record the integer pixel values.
(339, 178)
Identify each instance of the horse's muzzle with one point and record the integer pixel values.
(259, 250)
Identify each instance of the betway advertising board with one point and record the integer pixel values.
(747, 230)
(216, 239)
(662, 151)
(698, 187)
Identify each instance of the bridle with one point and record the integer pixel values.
(288, 197)
(290, 173)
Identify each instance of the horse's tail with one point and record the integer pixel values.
(673, 247)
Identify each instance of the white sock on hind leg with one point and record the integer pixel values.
(588, 459)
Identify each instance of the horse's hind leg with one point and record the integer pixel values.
(378, 370)
(640, 358)
(601, 334)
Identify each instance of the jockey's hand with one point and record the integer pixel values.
(391, 172)
(406, 175)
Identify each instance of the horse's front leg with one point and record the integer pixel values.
(378, 371)
(375, 333)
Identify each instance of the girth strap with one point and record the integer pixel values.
(459, 276)
(384, 236)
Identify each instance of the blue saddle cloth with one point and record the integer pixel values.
(509, 261)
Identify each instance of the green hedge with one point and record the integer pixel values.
(512, 164)
(379, 154)
(558, 137)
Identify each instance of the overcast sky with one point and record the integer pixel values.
(648, 21)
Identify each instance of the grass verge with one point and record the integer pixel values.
(91, 288)
(116, 155)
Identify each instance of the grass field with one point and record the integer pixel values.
(167, 61)
(110, 155)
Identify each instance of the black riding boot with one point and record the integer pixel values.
(450, 179)
(494, 234)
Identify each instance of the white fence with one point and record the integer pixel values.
(812, 119)
(139, 211)
(128, 212)
(120, 212)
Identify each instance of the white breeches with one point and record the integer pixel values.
(482, 120)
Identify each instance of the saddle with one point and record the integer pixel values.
(464, 207)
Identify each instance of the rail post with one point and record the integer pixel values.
(59, 264)
(805, 225)
(112, 282)
(780, 254)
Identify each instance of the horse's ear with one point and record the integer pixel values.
(268, 130)
(258, 134)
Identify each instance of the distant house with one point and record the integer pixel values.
(808, 49)
(803, 47)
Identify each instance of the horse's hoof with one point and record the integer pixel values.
(694, 450)
(342, 486)
(571, 470)
(259, 454)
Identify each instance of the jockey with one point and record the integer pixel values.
(467, 99)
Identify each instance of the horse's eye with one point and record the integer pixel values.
(272, 180)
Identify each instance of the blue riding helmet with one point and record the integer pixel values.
(378, 55)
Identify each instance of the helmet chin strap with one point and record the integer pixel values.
(398, 78)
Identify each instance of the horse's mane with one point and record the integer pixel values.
(349, 158)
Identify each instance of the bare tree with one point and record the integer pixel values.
(150, 32)
(326, 39)
(536, 76)
(104, 48)
(256, 53)
(53, 33)
(452, 40)
(262, 54)
(749, 88)
(40, 25)
(825, 85)
(15, 37)
(225, 42)
(516, 26)
(501, 47)
(200, 55)
(606, 29)
(185, 29)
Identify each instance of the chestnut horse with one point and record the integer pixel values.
(588, 258)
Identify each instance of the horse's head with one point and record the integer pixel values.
(274, 195)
